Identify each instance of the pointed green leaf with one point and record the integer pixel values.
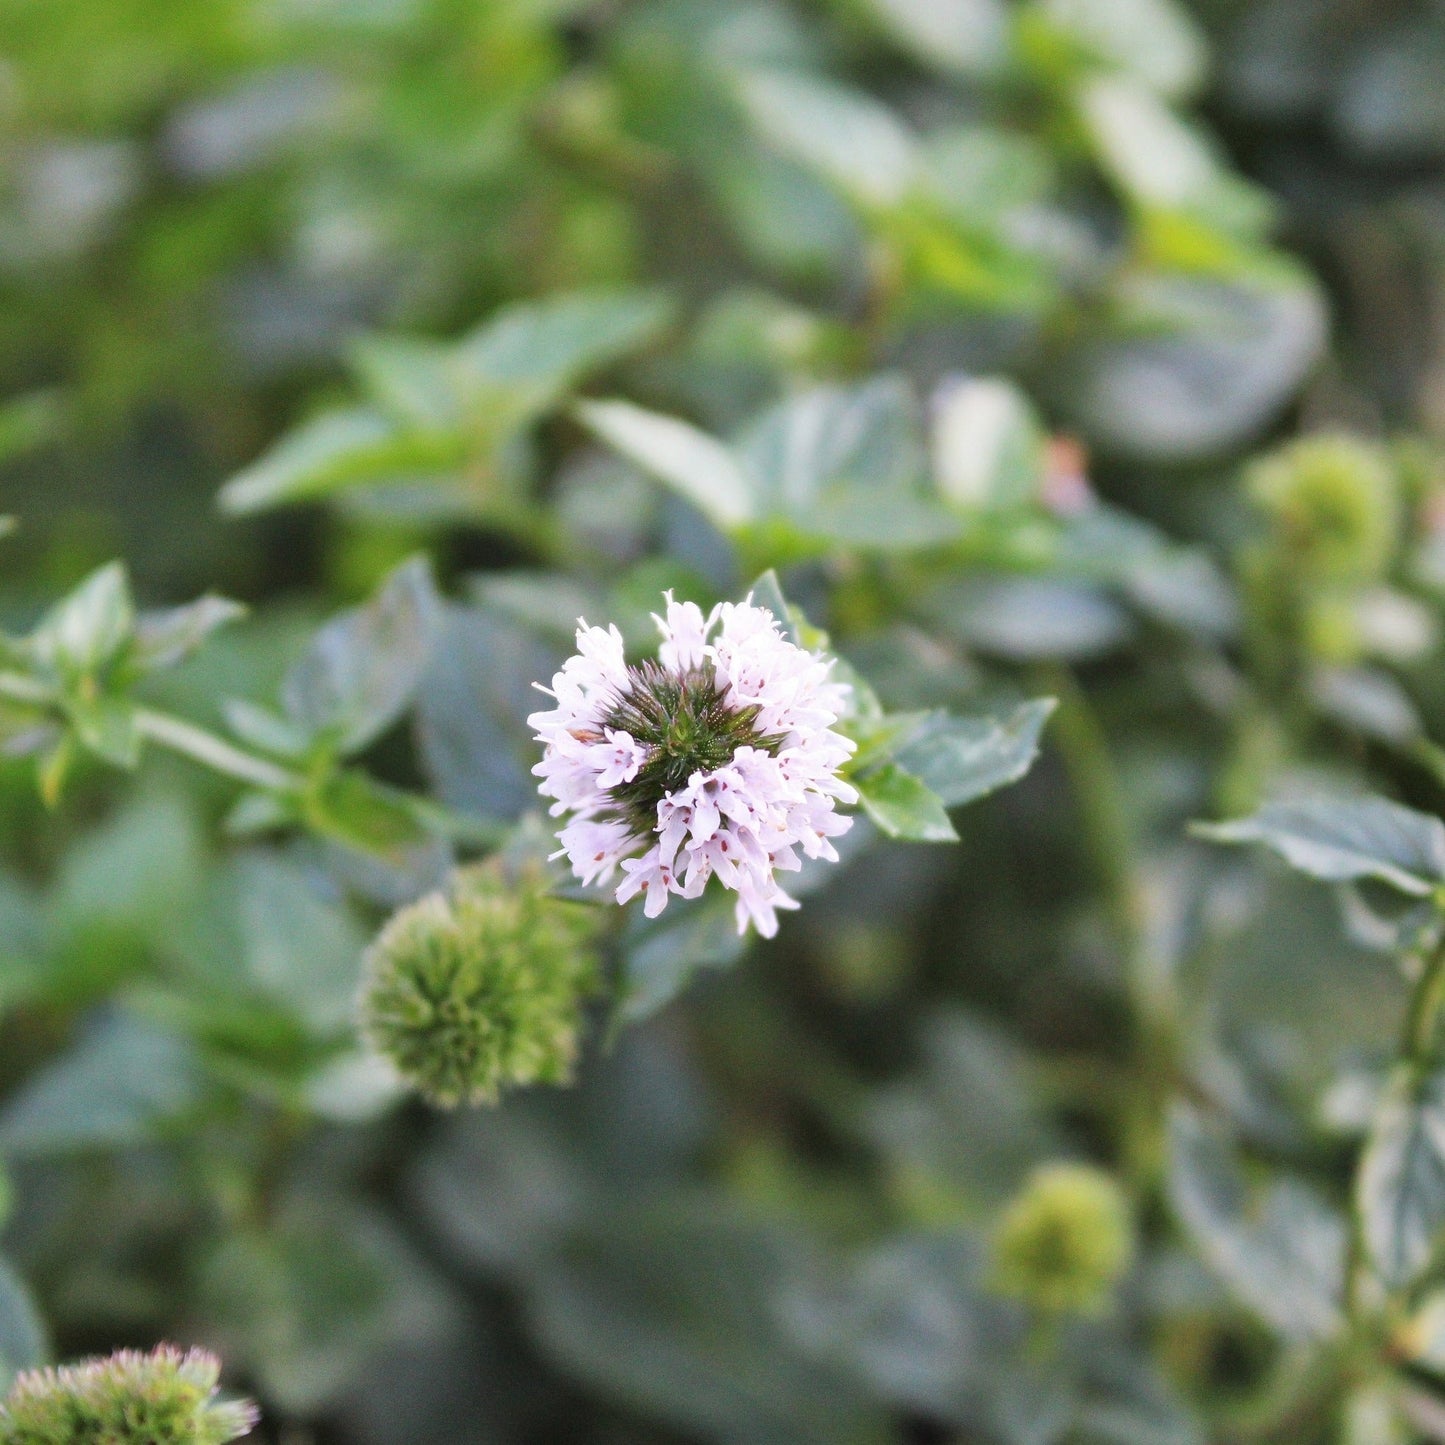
(1342, 839)
(904, 807)
(336, 451)
(695, 465)
(961, 759)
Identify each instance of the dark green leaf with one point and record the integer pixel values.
(1401, 1183)
(116, 1087)
(22, 1337)
(362, 669)
(1283, 1254)
(1341, 839)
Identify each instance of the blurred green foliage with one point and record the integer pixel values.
(1075, 350)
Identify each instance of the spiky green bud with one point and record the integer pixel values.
(166, 1397)
(1064, 1241)
(1335, 502)
(479, 987)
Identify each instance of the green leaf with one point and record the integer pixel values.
(962, 37)
(851, 139)
(266, 935)
(1343, 839)
(1156, 40)
(988, 446)
(116, 1087)
(29, 422)
(336, 451)
(89, 628)
(1186, 367)
(551, 344)
(846, 465)
(362, 669)
(165, 638)
(1162, 163)
(308, 1303)
(660, 956)
(672, 1308)
(1401, 1181)
(1031, 618)
(1281, 1250)
(961, 759)
(904, 807)
(108, 728)
(22, 1337)
(695, 465)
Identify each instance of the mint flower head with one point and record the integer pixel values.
(719, 759)
(478, 988)
(166, 1397)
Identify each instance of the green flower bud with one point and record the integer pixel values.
(480, 987)
(1336, 502)
(167, 1397)
(1064, 1241)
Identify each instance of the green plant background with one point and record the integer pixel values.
(1076, 349)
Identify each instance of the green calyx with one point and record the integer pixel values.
(1064, 1241)
(167, 1397)
(480, 988)
(687, 725)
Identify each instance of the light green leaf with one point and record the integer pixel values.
(1156, 40)
(165, 638)
(108, 728)
(116, 1087)
(961, 759)
(363, 667)
(1342, 839)
(695, 465)
(22, 1337)
(988, 445)
(87, 629)
(1401, 1182)
(1282, 1254)
(336, 451)
(963, 37)
(851, 139)
(553, 343)
(904, 807)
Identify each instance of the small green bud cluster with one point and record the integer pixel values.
(167, 1397)
(479, 987)
(1335, 502)
(1064, 1241)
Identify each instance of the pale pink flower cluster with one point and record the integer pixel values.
(742, 822)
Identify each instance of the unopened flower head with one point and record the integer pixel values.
(718, 759)
(166, 1397)
(1065, 1240)
(478, 988)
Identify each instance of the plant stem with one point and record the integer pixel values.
(1110, 841)
(215, 753)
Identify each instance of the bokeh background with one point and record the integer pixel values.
(1020, 310)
